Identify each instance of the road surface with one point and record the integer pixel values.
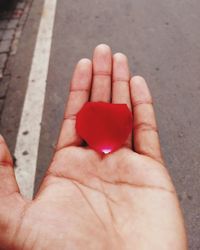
(162, 42)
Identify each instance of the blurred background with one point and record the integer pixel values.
(162, 42)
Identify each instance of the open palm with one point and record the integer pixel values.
(123, 200)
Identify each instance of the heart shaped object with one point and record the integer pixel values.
(104, 126)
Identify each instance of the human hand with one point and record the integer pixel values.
(123, 200)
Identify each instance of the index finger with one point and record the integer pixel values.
(78, 96)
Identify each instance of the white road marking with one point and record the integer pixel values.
(26, 151)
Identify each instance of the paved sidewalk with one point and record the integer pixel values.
(12, 21)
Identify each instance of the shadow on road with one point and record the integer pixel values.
(7, 4)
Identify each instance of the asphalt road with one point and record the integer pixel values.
(162, 42)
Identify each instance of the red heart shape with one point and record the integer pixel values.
(104, 126)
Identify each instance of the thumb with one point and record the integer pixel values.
(8, 184)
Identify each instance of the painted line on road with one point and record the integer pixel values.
(26, 150)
